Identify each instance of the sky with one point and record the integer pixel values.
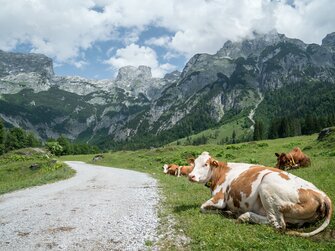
(94, 38)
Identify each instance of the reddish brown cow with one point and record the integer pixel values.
(294, 159)
(177, 170)
(185, 170)
(171, 169)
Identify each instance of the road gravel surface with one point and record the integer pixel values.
(100, 208)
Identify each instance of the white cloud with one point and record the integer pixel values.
(56, 28)
(136, 55)
(170, 55)
(80, 64)
(62, 29)
(308, 20)
(159, 41)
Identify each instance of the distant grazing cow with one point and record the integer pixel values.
(171, 169)
(294, 159)
(262, 195)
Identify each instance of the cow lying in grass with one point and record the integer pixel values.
(262, 195)
(184, 170)
(294, 159)
(171, 169)
(176, 170)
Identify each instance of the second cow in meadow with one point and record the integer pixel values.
(262, 195)
(184, 170)
(171, 169)
(294, 159)
(176, 170)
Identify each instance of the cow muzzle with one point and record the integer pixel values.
(192, 178)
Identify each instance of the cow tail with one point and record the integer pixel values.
(328, 211)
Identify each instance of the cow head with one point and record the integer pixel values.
(283, 161)
(166, 168)
(202, 168)
(171, 169)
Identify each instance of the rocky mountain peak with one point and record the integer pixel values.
(329, 42)
(253, 45)
(131, 73)
(12, 63)
(139, 80)
(173, 76)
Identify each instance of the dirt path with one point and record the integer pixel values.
(252, 112)
(98, 209)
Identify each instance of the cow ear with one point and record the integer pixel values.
(214, 163)
(277, 154)
(191, 161)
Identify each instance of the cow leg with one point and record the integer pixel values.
(216, 202)
(179, 168)
(277, 220)
(252, 218)
(274, 216)
(212, 207)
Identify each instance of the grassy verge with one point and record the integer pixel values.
(15, 171)
(216, 232)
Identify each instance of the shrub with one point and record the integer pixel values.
(253, 161)
(233, 147)
(262, 145)
(55, 148)
(230, 156)
(307, 148)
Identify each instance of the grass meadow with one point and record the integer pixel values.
(15, 172)
(182, 199)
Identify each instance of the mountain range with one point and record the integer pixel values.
(259, 78)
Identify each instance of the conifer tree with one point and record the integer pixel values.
(259, 130)
(233, 137)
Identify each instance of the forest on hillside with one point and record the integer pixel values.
(298, 109)
(16, 138)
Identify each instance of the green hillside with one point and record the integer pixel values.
(221, 134)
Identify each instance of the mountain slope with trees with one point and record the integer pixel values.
(135, 110)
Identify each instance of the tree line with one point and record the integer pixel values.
(300, 108)
(63, 146)
(17, 138)
(289, 126)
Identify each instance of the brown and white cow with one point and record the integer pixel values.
(262, 195)
(171, 169)
(184, 170)
(176, 170)
(294, 159)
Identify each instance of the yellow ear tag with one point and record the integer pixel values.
(208, 184)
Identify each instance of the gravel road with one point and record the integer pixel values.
(98, 209)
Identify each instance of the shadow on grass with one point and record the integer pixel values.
(326, 235)
(182, 208)
(196, 207)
